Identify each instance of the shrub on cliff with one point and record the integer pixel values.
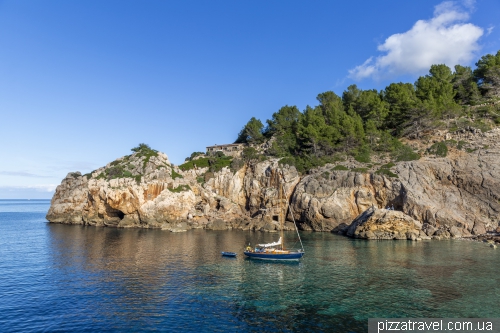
(180, 188)
(199, 163)
(143, 148)
(193, 155)
(287, 161)
(363, 154)
(361, 170)
(236, 164)
(439, 149)
(214, 163)
(305, 163)
(340, 168)
(217, 163)
(115, 171)
(385, 170)
(404, 152)
(249, 154)
(175, 175)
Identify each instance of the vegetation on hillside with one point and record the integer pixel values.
(125, 167)
(363, 123)
(213, 162)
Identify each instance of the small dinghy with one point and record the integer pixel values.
(229, 254)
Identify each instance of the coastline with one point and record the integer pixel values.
(434, 197)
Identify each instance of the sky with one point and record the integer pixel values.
(83, 82)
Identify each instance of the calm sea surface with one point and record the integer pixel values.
(73, 278)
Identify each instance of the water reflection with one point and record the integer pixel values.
(137, 278)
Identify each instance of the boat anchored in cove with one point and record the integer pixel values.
(273, 252)
(277, 250)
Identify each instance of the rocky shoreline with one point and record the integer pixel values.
(457, 196)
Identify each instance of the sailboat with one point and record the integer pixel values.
(277, 250)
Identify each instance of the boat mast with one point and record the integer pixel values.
(291, 212)
(280, 216)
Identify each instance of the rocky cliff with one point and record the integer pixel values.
(149, 192)
(453, 196)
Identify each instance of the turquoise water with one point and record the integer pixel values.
(73, 278)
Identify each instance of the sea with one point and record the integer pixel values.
(72, 278)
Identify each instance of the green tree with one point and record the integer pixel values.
(487, 74)
(283, 126)
(370, 106)
(372, 133)
(357, 121)
(353, 134)
(418, 120)
(386, 142)
(315, 134)
(193, 155)
(251, 132)
(436, 91)
(284, 145)
(350, 96)
(331, 107)
(491, 83)
(465, 86)
(486, 63)
(401, 98)
(313, 130)
(283, 121)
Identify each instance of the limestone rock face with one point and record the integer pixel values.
(331, 203)
(135, 191)
(384, 224)
(459, 193)
(247, 198)
(145, 194)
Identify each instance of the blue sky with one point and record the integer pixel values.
(82, 82)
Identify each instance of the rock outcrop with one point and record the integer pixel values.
(376, 223)
(451, 197)
(330, 200)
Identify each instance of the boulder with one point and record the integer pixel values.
(478, 229)
(429, 229)
(270, 226)
(441, 234)
(217, 225)
(455, 232)
(384, 224)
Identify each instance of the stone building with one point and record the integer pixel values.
(232, 149)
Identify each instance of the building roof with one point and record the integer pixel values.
(227, 145)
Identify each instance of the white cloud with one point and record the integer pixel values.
(470, 4)
(21, 174)
(38, 188)
(444, 39)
